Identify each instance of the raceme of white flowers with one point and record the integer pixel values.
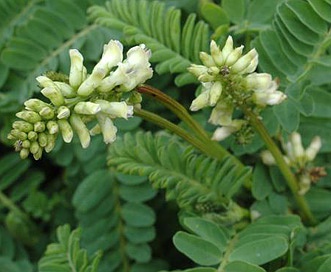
(299, 159)
(228, 80)
(99, 97)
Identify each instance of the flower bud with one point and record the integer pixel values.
(52, 127)
(225, 131)
(39, 127)
(244, 62)
(115, 109)
(45, 82)
(47, 113)
(215, 93)
(50, 142)
(234, 56)
(34, 147)
(66, 90)
(267, 158)
(221, 114)
(95, 130)
(63, 112)
(29, 116)
(26, 144)
(200, 102)
(251, 67)
(92, 82)
(54, 95)
(206, 59)
(24, 153)
(23, 126)
(107, 127)
(112, 55)
(197, 70)
(33, 136)
(264, 99)
(76, 75)
(297, 147)
(81, 130)
(35, 105)
(87, 108)
(216, 54)
(17, 134)
(228, 47)
(258, 81)
(42, 139)
(313, 148)
(66, 130)
(38, 154)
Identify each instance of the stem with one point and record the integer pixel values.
(9, 204)
(201, 145)
(176, 108)
(283, 167)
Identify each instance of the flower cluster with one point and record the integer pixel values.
(100, 97)
(228, 82)
(299, 159)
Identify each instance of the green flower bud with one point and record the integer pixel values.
(95, 130)
(66, 130)
(92, 82)
(245, 61)
(313, 148)
(87, 108)
(18, 134)
(216, 53)
(63, 112)
(35, 105)
(39, 127)
(198, 70)
(206, 59)
(52, 127)
(66, 90)
(34, 147)
(107, 127)
(201, 101)
(234, 56)
(38, 154)
(23, 126)
(215, 93)
(50, 142)
(135, 98)
(47, 113)
(115, 109)
(54, 95)
(42, 139)
(33, 136)
(26, 144)
(81, 130)
(267, 158)
(45, 82)
(24, 153)
(228, 47)
(29, 116)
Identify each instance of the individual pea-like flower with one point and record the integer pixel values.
(81, 98)
(300, 160)
(229, 81)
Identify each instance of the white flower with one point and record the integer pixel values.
(225, 131)
(313, 148)
(77, 69)
(107, 127)
(115, 109)
(221, 114)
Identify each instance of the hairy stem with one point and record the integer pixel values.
(283, 167)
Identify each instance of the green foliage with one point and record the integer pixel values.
(189, 178)
(66, 255)
(231, 220)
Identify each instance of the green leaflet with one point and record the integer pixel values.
(174, 47)
(66, 255)
(261, 242)
(171, 165)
